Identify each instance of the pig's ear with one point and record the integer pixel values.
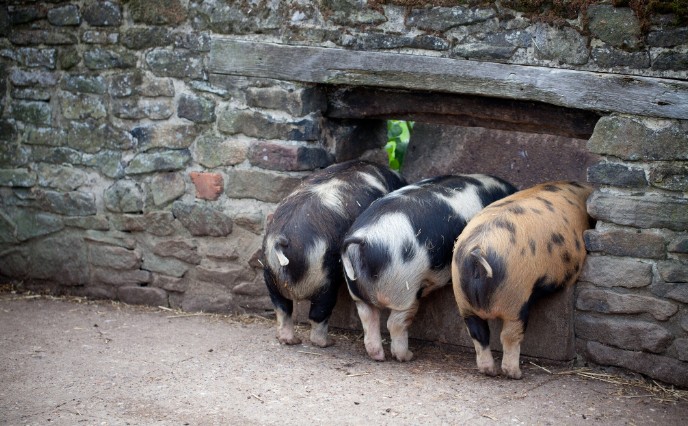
(478, 255)
(280, 243)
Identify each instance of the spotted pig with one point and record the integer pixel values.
(400, 249)
(302, 241)
(511, 254)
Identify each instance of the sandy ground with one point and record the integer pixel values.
(71, 362)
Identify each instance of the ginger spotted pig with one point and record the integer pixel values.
(512, 253)
(302, 241)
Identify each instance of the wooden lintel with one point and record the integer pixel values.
(654, 97)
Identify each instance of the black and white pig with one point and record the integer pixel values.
(400, 249)
(303, 240)
(511, 254)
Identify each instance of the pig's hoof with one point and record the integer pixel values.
(513, 374)
(377, 354)
(404, 356)
(323, 343)
(293, 340)
(490, 370)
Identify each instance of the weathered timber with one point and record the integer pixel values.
(655, 97)
(461, 110)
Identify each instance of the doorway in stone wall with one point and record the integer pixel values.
(523, 142)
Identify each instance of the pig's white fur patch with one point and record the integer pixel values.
(331, 194)
(373, 181)
(316, 276)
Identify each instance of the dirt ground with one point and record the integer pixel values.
(71, 361)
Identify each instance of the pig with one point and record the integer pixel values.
(514, 252)
(303, 239)
(400, 248)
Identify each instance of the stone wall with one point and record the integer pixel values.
(130, 170)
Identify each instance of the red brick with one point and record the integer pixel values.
(209, 186)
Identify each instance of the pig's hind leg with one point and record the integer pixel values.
(479, 330)
(398, 324)
(370, 319)
(283, 309)
(511, 337)
(322, 305)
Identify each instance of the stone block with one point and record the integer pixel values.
(124, 196)
(208, 297)
(288, 157)
(297, 102)
(484, 51)
(673, 271)
(259, 185)
(100, 37)
(213, 151)
(184, 250)
(160, 223)
(151, 296)
(202, 220)
(91, 137)
(623, 333)
(119, 239)
(81, 107)
(177, 63)
(611, 302)
(18, 178)
(198, 109)
(114, 257)
(66, 15)
(31, 112)
(609, 57)
(166, 187)
(164, 265)
(259, 125)
(670, 61)
(108, 163)
(18, 225)
(617, 175)
(31, 94)
(33, 78)
(120, 278)
(169, 283)
(678, 244)
(172, 136)
(97, 222)
(608, 271)
(38, 37)
(668, 37)
(26, 14)
(60, 258)
(137, 109)
(80, 83)
(625, 242)
(102, 14)
(378, 41)
(197, 42)
(636, 138)
(672, 176)
(103, 59)
(163, 161)
(443, 18)
(168, 12)
(233, 18)
(146, 38)
(617, 26)
(641, 211)
(68, 57)
(209, 186)
(73, 203)
(666, 369)
(227, 276)
(681, 347)
(562, 45)
(34, 58)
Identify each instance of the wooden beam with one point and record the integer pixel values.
(655, 97)
(460, 110)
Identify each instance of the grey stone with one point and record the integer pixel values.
(219, 250)
(297, 102)
(31, 94)
(202, 220)
(125, 83)
(668, 37)
(279, 156)
(208, 297)
(124, 196)
(607, 271)
(72, 203)
(681, 347)
(213, 151)
(4, 22)
(47, 37)
(628, 243)
(154, 87)
(113, 238)
(678, 292)
(109, 163)
(673, 271)
(679, 244)
(34, 58)
(68, 57)
(256, 124)
(623, 333)
(617, 26)
(670, 60)
(635, 138)
(13, 263)
(563, 45)
(198, 42)
(100, 37)
(39, 113)
(91, 137)
(145, 38)
(484, 51)
(169, 283)
(102, 14)
(18, 225)
(118, 278)
(662, 368)
(196, 108)
(17, 178)
(610, 302)
(98, 223)
(155, 109)
(163, 161)
(80, 107)
(166, 187)
(114, 257)
(55, 155)
(172, 136)
(232, 18)
(151, 296)
(104, 59)
(64, 15)
(24, 15)
(160, 223)
(179, 249)
(670, 175)
(389, 41)
(177, 63)
(642, 211)
(169, 12)
(79, 83)
(23, 78)
(260, 185)
(60, 258)
(204, 86)
(166, 266)
(44, 136)
(609, 57)
(64, 178)
(226, 276)
(617, 175)
(443, 18)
